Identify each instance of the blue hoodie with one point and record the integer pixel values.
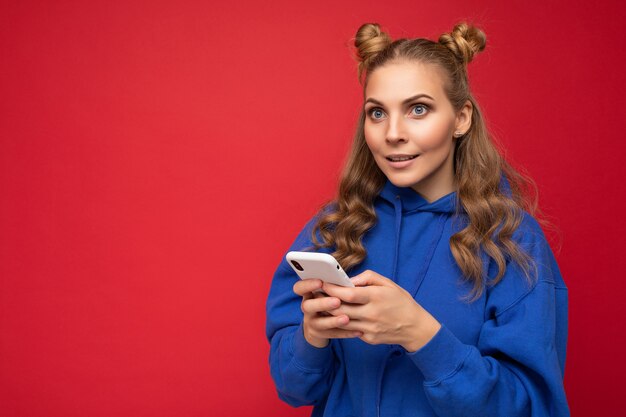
(502, 355)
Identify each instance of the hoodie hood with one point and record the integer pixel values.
(413, 201)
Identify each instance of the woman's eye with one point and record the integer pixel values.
(419, 110)
(376, 114)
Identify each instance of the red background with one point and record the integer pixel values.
(158, 158)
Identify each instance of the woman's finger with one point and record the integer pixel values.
(305, 286)
(325, 323)
(354, 311)
(369, 277)
(339, 334)
(357, 326)
(358, 295)
(318, 305)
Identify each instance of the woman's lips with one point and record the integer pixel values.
(400, 161)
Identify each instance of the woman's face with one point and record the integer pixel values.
(410, 126)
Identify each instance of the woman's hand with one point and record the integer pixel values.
(383, 311)
(320, 326)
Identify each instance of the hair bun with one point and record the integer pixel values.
(369, 41)
(464, 41)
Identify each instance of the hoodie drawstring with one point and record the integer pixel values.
(441, 222)
(430, 251)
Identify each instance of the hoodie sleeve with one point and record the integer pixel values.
(516, 368)
(302, 372)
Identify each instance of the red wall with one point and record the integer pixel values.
(158, 158)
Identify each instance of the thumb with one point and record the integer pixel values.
(370, 278)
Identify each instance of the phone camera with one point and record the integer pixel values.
(297, 265)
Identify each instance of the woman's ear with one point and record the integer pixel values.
(464, 118)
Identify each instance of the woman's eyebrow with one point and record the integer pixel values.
(415, 97)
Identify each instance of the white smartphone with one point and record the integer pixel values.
(318, 265)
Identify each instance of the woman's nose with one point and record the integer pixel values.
(395, 130)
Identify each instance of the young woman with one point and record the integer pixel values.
(459, 308)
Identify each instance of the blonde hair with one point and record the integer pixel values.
(493, 214)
